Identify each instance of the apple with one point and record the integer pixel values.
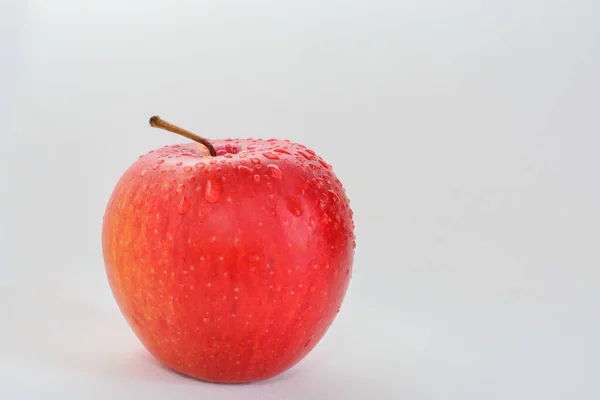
(229, 258)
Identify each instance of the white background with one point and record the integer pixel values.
(467, 135)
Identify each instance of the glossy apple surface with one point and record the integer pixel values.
(229, 268)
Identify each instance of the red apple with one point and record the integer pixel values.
(229, 259)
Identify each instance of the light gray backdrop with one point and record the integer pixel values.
(467, 134)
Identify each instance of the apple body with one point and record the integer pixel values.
(231, 268)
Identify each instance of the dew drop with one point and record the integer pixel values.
(243, 168)
(191, 179)
(144, 172)
(310, 151)
(275, 171)
(187, 168)
(228, 155)
(318, 182)
(334, 197)
(323, 163)
(256, 178)
(255, 160)
(283, 151)
(293, 204)
(160, 161)
(179, 189)
(270, 155)
(199, 165)
(184, 206)
(213, 191)
(179, 163)
(305, 155)
(213, 161)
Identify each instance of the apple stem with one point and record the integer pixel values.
(157, 122)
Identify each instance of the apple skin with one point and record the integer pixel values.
(229, 269)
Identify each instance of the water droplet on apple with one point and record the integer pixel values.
(191, 179)
(283, 151)
(255, 160)
(243, 168)
(256, 178)
(334, 197)
(179, 189)
(293, 204)
(306, 155)
(270, 155)
(144, 172)
(318, 182)
(275, 171)
(199, 165)
(213, 191)
(323, 163)
(228, 155)
(184, 206)
(178, 163)
(187, 168)
(160, 161)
